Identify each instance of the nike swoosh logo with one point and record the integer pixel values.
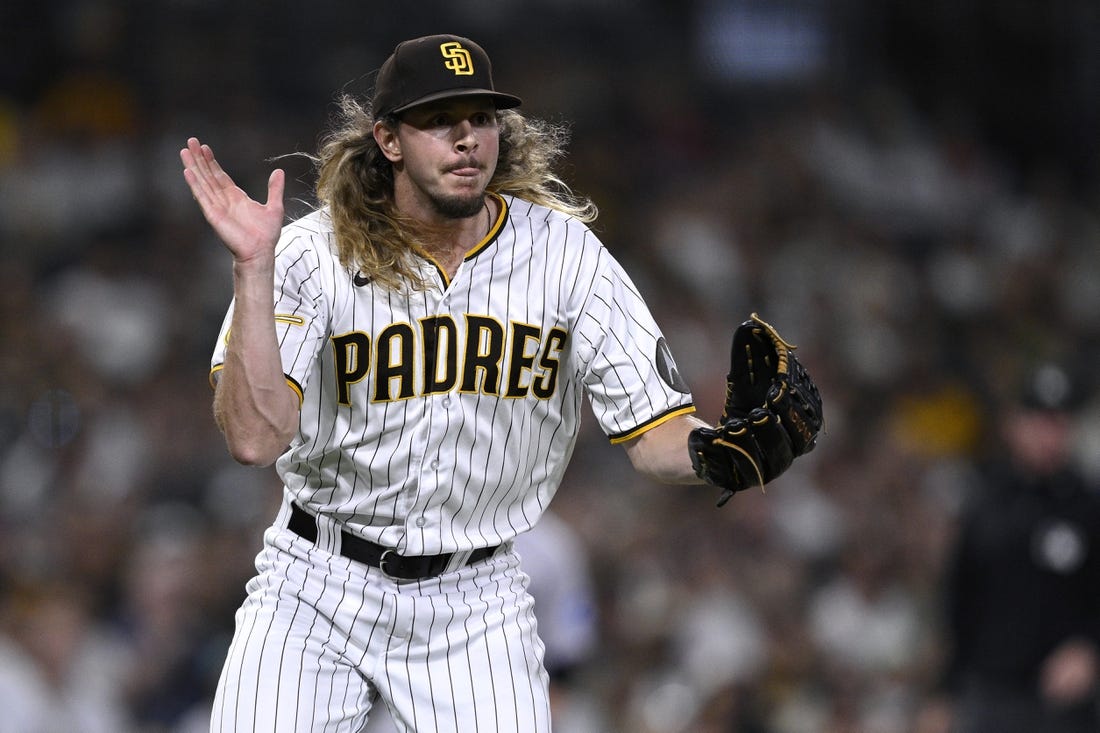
(360, 280)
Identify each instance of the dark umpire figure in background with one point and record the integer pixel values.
(1023, 584)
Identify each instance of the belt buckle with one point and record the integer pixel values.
(382, 563)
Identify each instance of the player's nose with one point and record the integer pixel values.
(464, 137)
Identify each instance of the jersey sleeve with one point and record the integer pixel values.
(629, 372)
(301, 310)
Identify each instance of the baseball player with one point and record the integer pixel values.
(417, 373)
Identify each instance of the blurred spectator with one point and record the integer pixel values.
(557, 562)
(1023, 612)
(162, 621)
(59, 670)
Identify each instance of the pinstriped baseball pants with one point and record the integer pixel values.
(320, 639)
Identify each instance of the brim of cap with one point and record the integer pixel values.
(502, 101)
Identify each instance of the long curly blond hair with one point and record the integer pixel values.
(355, 180)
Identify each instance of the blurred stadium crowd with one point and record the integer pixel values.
(910, 193)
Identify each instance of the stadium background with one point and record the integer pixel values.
(909, 189)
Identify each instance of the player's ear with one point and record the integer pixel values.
(386, 137)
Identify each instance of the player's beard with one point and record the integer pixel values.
(458, 207)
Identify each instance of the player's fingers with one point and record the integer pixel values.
(195, 161)
(192, 182)
(190, 174)
(207, 166)
(195, 154)
(218, 175)
(219, 187)
(197, 180)
(212, 208)
(201, 178)
(188, 156)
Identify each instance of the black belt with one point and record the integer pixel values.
(385, 559)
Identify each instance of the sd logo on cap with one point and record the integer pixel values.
(437, 67)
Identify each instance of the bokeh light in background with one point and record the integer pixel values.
(909, 190)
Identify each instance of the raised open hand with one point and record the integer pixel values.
(248, 228)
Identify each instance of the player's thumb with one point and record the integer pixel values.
(276, 184)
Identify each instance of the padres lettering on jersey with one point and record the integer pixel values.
(442, 420)
(403, 361)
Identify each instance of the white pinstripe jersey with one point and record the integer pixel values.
(442, 420)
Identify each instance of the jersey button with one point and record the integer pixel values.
(435, 464)
(446, 401)
(421, 521)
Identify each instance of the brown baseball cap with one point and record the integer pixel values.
(435, 67)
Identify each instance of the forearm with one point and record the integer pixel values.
(662, 453)
(254, 406)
